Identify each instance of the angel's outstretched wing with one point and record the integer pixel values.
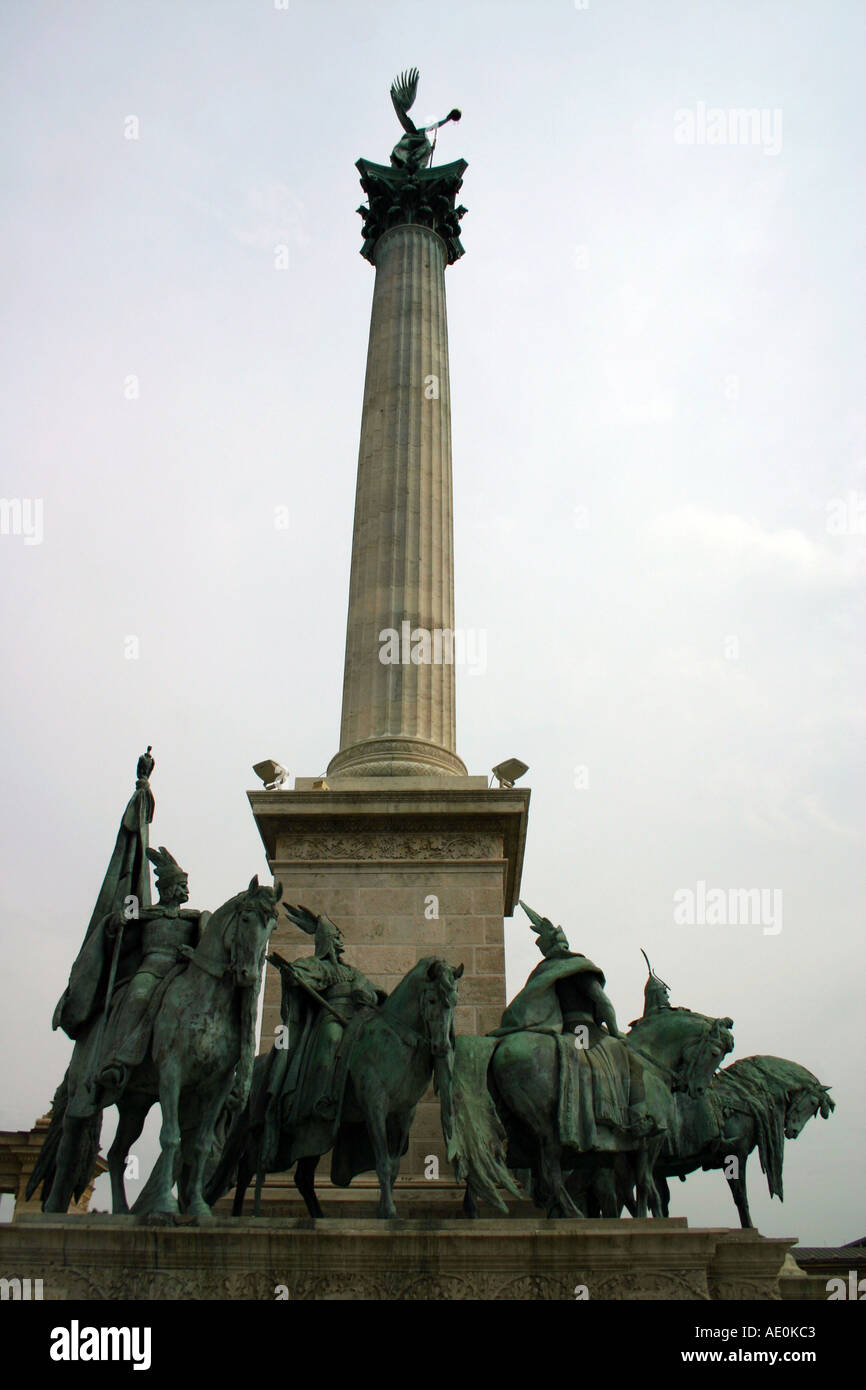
(403, 92)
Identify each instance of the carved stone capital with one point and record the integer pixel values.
(397, 197)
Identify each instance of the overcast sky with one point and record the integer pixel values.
(659, 477)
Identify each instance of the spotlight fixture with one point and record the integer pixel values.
(272, 774)
(508, 772)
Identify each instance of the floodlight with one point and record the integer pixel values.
(508, 772)
(272, 774)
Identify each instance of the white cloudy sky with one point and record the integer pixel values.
(657, 356)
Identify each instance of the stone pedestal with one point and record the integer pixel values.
(19, 1151)
(407, 868)
(110, 1257)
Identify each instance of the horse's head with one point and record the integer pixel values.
(246, 931)
(689, 1045)
(703, 1053)
(803, 1104)
(438, 1000)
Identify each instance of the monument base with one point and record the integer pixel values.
(407, 868)
(116, 1257)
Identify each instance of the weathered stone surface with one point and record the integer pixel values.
(450, 876)
(399, 716)
(102, 1258)
(384, 845)
(482, 989)
(489, 960)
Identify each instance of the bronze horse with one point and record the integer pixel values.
(756, 1102)
(517, 1123)
(201, 1051)
(396, 1050)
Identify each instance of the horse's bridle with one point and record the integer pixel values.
(216, 972)
(414, 1039)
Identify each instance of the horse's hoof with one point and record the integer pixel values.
(160, 1218)
(201, 1214)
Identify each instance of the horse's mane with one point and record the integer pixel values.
(398, 993)
(661, 1016)
(227, 910)
(762, 1087)
(217, 924)
(693, 1045)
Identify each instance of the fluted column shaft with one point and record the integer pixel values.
(398, 712)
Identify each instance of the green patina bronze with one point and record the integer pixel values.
(755, 1103)
(556, 1091)
(599, 1128)
(346, 1076)
(320, 995)
(409, 190)
(161, 1004)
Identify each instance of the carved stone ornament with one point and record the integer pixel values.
(426, 198)
(385, 846)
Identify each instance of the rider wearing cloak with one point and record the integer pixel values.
(130, 946)
(126, 881)
(163, 936)
(599, 1080)
(321, 999)
(563, 992)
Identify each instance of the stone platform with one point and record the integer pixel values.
(115, 1257)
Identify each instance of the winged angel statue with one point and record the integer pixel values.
(414, 151)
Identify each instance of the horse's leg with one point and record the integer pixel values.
(556, 1200)
(624, 1184)
(211, 1107)
(132, 1115)
(604, 1191)
(305, 1182)
(260, 1182)
(401, 1140)
(627, 1200)
(470, 1206)
(169, 1135)
(642, 1178)
(653, 1149)
(738, 1191)
(576, 1184)
(245, 1173)
(378, 1131)
(664, 1194)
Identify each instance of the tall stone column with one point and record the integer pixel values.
(398, 688)
(410, 856)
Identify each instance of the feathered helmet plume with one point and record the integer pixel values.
(655, 991)
(320, 927)
(168, 871)
(548, 935)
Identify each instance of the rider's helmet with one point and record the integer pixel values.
(328, 939)
(656, 994)
(552, 941)
(171, 879)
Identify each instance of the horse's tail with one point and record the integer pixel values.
(45, 1167)
(46, 1164)
(225, 1173)
(476, 1144)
